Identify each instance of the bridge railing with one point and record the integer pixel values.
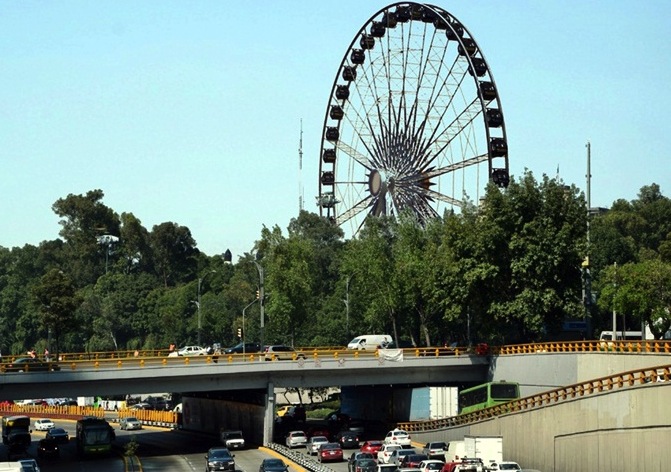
(630, 378)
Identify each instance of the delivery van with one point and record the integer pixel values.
(369, 342)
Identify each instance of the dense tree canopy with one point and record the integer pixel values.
(505, 271)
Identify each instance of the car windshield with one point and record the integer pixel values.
(273, 463)
(366, 463)
(330, 446)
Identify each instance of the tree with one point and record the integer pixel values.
(642, 291)
(85, 219)
(56, 300)
(175, 253)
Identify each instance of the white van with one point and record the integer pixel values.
(456, 450)
(620, 336)
(369, 342)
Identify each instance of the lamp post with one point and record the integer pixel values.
(243, 327)
(200, 284)
(261, 301)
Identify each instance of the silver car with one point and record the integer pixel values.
(313, 444)
(296, 439)
(129, 423)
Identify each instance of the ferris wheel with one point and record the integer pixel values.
(413, 123)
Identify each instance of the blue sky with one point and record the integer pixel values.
(190, 111)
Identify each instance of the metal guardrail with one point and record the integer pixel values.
(622, 380)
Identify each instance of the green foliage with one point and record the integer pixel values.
(508, 270)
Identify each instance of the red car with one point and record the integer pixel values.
(371, 446)
(330, 452)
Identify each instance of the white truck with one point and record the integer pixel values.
(487, 448)
(369, 342)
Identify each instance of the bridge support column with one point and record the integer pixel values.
(269, 416)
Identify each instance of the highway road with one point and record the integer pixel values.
(160, 450)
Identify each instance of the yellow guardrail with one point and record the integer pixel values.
(630, 378)
(154, 358)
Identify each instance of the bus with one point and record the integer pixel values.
(94, 436)
(486, 395)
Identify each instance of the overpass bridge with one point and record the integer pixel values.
(590, 422)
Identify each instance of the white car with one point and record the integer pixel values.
(398, 436)
(43, 424)
(232, 439)
(130, 422)
(431, 465)
(29, 464)
(504, 465)
(296, 439)
(385, 452)
(314, 442)
(396, 456)
(192, 351)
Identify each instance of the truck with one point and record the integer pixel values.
(369, 342)
(16, 434)
(94, 436)
(11, 466)
(430, 403)
(487, 448)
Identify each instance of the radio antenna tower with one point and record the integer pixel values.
(300, 169)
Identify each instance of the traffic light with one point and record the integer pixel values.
(258, 294)
(240, 333)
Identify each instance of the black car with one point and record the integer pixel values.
(364, 465)
(357, 456)
(348, 440)
(30, 364)
(248, 348)
(48, 449)
(273, 465)
(58, 435)
(219, 458)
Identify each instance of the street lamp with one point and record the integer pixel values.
(243, 326)
(261, 300)
(200, 284)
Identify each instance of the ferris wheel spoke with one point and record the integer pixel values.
(355, 210)
(356, 155)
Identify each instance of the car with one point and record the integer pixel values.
(435, 450)
(243, 348)
(385, 452)
(192, 351)
(398, 436)
(329, 452)
(130, 422)
(219, 458)
(232, 439)
(48, 449)
(30, 364)
(273, 465)
(371, 446)
(59, 435)
(348, 439)
(141, 406)
(471, 464)
(312, 446)
(29, 465)
(397, 455)
(412, 461)
(318, 431)
(284, 410)
(296, 439)
(43, 424)
(365, 464)
(358, 455)
(281, 352)
(431, 465)
(504, 465)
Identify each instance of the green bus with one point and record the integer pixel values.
(94, 436)
(486, 395)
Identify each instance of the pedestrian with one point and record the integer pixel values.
(32, 354)
(46, 354)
